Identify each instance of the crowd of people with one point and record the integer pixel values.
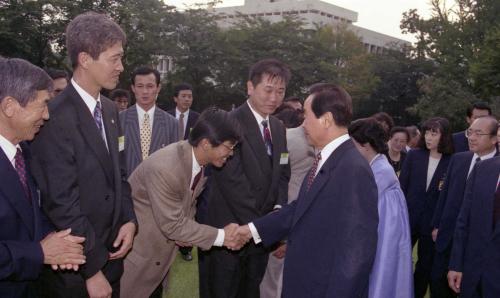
(282, 197)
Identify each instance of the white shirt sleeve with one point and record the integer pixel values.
(255, 234)
(219, 240)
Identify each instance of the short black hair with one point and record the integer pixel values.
(182, 86)
(216, 125)
(412, 130)
(442, 125)
(273, 67)
(144, 71)
(369, 130)
(336, 101)
(480, 105)
(57, 73)
(385, 118)
(401, 129)
(293, 99)
(289, 116)
(119, 93)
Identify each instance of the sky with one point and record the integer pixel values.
(383, 16)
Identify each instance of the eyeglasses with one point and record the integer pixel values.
(470, 133)
(230, 148)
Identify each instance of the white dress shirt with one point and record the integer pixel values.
(141, 112)
(484, 157)
(9, 149)
(259, 120)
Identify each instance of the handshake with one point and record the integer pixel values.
(236, 236)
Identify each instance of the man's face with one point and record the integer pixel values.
(313, 127)
(218, 155)
(146, 90)
(480, 139)
(267, 95)
(121, 103)
(59, 85)
(184, 100)
(27, 120)
(106, 69)
(477, 113)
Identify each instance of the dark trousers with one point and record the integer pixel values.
(235, 274)
(439, 277)
(423, 267)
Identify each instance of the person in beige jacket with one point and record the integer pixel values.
(164, 191)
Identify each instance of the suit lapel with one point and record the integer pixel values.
(13, 190)
(158, 131)
(132, 138)
(90, 132)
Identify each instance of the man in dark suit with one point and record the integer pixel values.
(26, 238)
(79, 162)
(183, 97)
(333, 217)
(253, 182)
(477, 110)
(474, 263)
(482, 142)
(146, 127)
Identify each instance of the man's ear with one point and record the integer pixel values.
(8, 106)
(327, 119)
(84, 60)
(250, 88)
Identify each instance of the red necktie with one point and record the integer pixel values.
(267, 138)
(312, 173)
(197, 179)
(21, 172)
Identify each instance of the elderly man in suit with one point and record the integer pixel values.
(333, 217)
(78, 158)
(165, 201)
(482, 142)
(253, 182)
(474, 263)
(477, 110)
(183, 97)
(26, 238)
(146, 127)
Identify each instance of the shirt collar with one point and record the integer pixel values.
(196, 168)
(486, 156)
(178, 113)
(141, 111)
(89, 100)
(9, 149)
(257, 116)
(330, 147)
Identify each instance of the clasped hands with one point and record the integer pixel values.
(236, 236)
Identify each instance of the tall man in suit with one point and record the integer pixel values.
(482, 142)
(79, 162)
(183, 97)
(165, 201)
(253, 182)
(474, 263)
(146, 127)
(26, 238)
(333, 217)
(477, 110)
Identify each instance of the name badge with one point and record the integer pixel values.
(284, 158)
(121, 143)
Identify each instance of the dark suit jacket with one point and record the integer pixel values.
(165, 131)
(460, 142)
(476, 243)
(250, 184)
(22, 227)
(84, 186)
(413, 179)
(331, 230)
(191, 121)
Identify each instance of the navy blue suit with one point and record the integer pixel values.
(476, 243)
(460, 142)
(22, 227)
(421, 206)
(331, 230)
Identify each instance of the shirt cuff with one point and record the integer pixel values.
(276, 207)
(219, 240)
(255, 234)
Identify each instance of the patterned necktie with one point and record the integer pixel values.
(197, 179)
(312, 173)
(267, 138)
(145, 136)
(98, 118)
(181, 127)
(21, 172)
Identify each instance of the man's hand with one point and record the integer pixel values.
(98, 286)
(434, 234)
(63, 249)
(280, 251)
(455, 280)
(232, 239)
(125, 239)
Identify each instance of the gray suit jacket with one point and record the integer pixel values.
(165, 131)
(301, 159)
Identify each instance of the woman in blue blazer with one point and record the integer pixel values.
(421, 180)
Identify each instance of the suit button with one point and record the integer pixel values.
(157, 263)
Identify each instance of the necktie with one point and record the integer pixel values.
(21, 172)
(312, 173)
(267, 138)
(181, 127)
(98, 118)
(496, 206)
(197, 179)
(145, 136)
